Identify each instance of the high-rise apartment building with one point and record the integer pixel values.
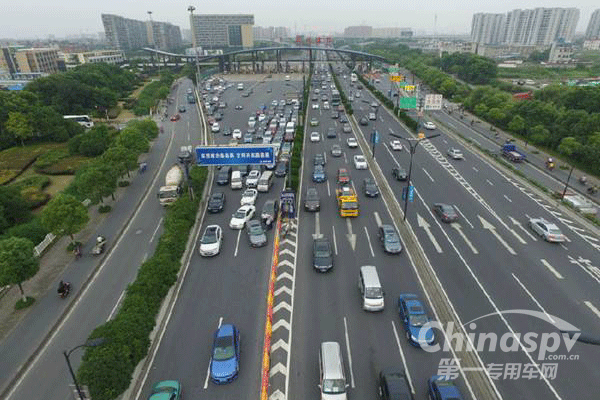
(45, 60)
(130, 34)
(163, 36)
(593, 29)
(222, 30)
(539, 26)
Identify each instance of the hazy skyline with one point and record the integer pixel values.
(36, 19)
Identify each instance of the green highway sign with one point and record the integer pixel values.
(408, 102)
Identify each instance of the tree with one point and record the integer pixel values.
(133, 140)
(569, 146)
(17, 262)
(18, 125)
(64, 215)
(13, 208)
(97, 181)
(120, 159)
(517, 124)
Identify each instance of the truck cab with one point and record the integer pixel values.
(347, 201)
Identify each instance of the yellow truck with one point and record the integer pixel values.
(347, 201)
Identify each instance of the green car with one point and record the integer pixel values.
(166, 390)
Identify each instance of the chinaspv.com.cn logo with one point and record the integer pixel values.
(542, 346)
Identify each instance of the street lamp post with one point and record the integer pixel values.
(89, 343)
(191, 10)
(412, 145)
(567, 183)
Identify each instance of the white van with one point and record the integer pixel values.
(236, 180)
(370, 288)
(332, 382)
(265, 181)
(251, 122)
(290, 127)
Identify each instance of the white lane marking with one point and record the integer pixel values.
(422, 222)
(463, 215)
(563, 246)
(475, 169)
(593, 308)
(412, 387)
(353, 187)
(145, 257)
(427, 173)
(490, 183)
(521, 227)
(209, 361)
(325, 156)
(377, 219)
(391, 131)
(156, 229)
(392, 156)
(350, 235)
(345, 158)
(552, 269)
(317, 234)
(488, 226)
(328, 189)
(334, 241)
(114, 310)
(587, 267)
(445, 141)
(507, 198)
(349, 354)
(458, 228)
(369, 240)
(533, 298)
(237, 242)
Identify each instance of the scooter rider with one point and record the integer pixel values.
(63, 288)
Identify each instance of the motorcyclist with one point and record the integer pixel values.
(63, 288)
(100, 239)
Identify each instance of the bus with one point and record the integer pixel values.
(335, 98)
(353, 78)
(83, 120)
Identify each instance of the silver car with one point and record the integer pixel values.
(547, 230)
(256, 233)
(210, 243)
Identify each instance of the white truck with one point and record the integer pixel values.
(172, 189)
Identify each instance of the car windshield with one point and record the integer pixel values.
(334, 386)
(349, 205)
(322, 249)
(554, 231)
(417, 320)
(164, 389)
(240, 214)
(391, 237)
(167, 194)
(447, 209)
(209, 237)
(223, 348)
(255, 229)
(373, 293)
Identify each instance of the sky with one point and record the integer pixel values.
(37, 19)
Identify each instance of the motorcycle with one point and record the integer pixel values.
(550, 165)
(592, 190)
(582, 180)
(99, 247)
(65, 290)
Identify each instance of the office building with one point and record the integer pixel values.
(487, 28)
(222, 30)
(361, 31)
(270, 32)
(399, 33)
(130, 34)
(45, 60)
(593, 29)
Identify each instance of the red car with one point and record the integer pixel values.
(343, 176)
(175, 117)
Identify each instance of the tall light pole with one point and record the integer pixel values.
(191, 10)
(412, 145)
(89, 343)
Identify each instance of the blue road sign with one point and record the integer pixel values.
(411, 193)
(235, 155)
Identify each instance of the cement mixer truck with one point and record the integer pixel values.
(173, 187)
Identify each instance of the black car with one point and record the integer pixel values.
(226, 131)
(389, 239)
(218, 116)
(318, 159)
(322, 254)
(445, 211)
(224, 175)
(331, 133)
(281, 169)
(312, 202)
(399, 173)
(370, 187)
(393, 385)
(216, 202)
(364, 121)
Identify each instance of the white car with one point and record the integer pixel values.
(315, 137)
(372, 116)
(237, 134)
(210, 243)
(261, 117)
(248, 197)
(455, 154)
(287, 78)
(360, 162)
(317, 91)
(429, 125)
(352, 143)
(315, 106)
(351, 98)
(357, 94)
(396, 145)
(241, 216)
(252, 178)
(326, 106)
(547, 230)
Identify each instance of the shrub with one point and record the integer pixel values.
(103, 209)
(123, 183)
(32, 230)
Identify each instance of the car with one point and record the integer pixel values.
(216, 202)
(169, 390)
(319, 159)
(322, 254)
(455, 154)
(441, 388)
(210, 243)
(218, 116)
(314, 121)
(547, 230)
(445, 211)
(312, 201)
(364, 121)
(389, 239)
(286, 148)
(239, 107)
(261, 117)
(374, 104)
(239, 218)
(396, 145)
(399, 173)
(347, 128)
(360, 162)
(244, 169)
(370, 187)
(343, 119)
(429, 125)
(181, 109)
(350, 98)
(248, 138)
(331, 133)
(372, 116)
(393, 385)
(252, 178)
(315, 137)
(175, 117)
(324, 97)
(336, 150)
(352, 143)
(225, 355)
(326, 105)
(315, 106)
(335, 115)
(249, 197)
(246, 94)
(343, 176)
(256, 233)
(215, 128)
(357, 94)
(237, 134)
(415, 319)
(270, 209)
(281, 169)
(287, 78)
(318, 174)
(226, 132)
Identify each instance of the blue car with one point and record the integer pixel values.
(413, 317)
(166, 390)
(442, 389)
(225, 361)
(318, 175)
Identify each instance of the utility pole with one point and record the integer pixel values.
(191, 10)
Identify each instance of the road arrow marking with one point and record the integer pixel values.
(377, 219)
(280, 344)
(283, 289)
(351, 236)
(278, 368)
(277, 395)
(492, 229)
(552, 269)
(521, 227)
(280, 323)
(423, 224)
(317, 234)
(284, 275)
(458, 228)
